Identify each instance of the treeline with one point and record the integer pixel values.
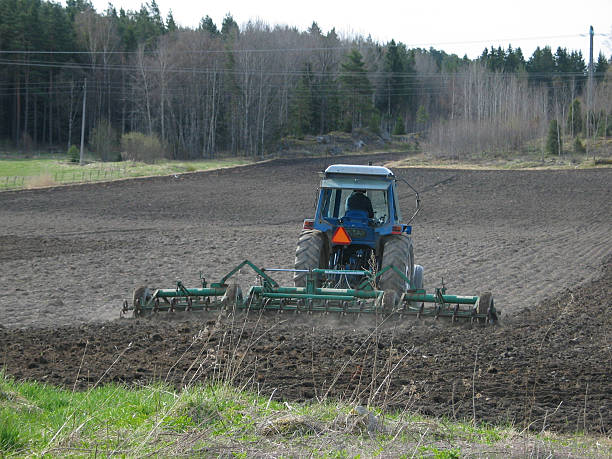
(240, 90)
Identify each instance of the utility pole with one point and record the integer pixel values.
(83, 123)
(589, 90)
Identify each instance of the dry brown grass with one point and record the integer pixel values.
(40, 181)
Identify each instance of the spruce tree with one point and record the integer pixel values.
(541, 65)
(229, 28)
(208, 25)
(354, 79)
(394, 84)
(300, 110)
(399, 128)
(601, 67)
(553, 140)
(170, 24)
(422, 118)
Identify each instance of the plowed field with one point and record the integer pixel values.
(540, 240)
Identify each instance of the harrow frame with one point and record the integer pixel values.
(269, 295)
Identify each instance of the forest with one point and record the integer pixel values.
(239, 90)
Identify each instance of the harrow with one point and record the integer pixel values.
(319, 295)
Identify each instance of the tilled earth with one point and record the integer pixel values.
(541, 240)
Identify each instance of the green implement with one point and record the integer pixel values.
(316, 296)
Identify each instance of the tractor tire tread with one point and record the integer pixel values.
(308, 254)
(398, 252)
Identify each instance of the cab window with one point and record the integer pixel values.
(334, 203)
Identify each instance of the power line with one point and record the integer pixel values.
(299, 49)
(268, 73)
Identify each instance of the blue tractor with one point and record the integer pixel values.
(357, 226)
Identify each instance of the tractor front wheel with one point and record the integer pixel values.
(309, 254)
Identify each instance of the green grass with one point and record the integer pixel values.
(211, 420)
(52, 169)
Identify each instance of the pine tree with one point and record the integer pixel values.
(354, 79)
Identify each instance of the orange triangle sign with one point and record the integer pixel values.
(341, 237)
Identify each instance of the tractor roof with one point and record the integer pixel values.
(350, 169)
(357, 177)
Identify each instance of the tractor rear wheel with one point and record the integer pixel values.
(397, 252)
(309, 254)
(417, 278)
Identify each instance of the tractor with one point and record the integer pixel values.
(354, 257)
(357, 227)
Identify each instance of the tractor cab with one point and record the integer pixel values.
(362, 200)
(357, 212)
(345, 199)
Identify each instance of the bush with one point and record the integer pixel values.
(136, 146)
(399, 128)
(579, 146)
(103, 140)
(602, 125)
(40, 181)
(347, 125)
(26, 142)
(374, 124)
(74, 155)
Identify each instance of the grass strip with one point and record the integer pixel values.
(19, 173)
(218, 419)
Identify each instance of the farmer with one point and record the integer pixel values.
(359, 201)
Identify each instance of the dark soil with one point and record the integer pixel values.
(68, 256)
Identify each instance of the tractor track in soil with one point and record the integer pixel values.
(540, 240)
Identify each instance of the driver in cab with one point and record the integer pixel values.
(359, 201)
